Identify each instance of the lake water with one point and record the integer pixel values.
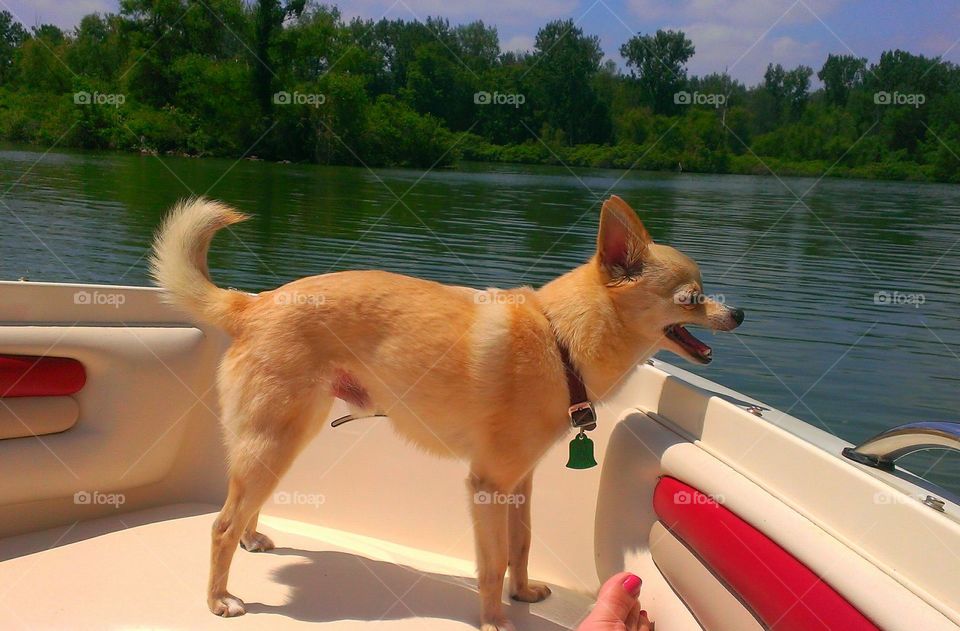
(850, 287)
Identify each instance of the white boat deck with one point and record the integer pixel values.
(149, 569)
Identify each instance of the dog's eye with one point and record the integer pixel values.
(689, 300)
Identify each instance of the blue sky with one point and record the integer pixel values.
(740, 35)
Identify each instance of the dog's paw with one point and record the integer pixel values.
(227, 606)
(532, 593)
(498, 624)
(256, 542)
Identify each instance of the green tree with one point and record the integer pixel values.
(397, 42)
(900, 74)
(207, 91)
(160, 31)
(946, 154)
(438, 83)
(658, 63)
(478, 44)
(505, 125)
(400, 136)
(788, 89)
(40, 64)
(268, 17)
(840, 75)
(50, 33)
(99, 48)
(12, 36)
(796, 84)
(199, 77)
(563, 66)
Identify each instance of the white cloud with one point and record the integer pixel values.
(743, 36)
(517, 42)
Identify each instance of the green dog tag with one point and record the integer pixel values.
(581, 452)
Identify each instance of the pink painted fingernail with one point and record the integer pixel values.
(632, 585)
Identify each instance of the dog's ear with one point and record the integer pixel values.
(622, 240)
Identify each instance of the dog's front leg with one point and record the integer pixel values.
(520, 534)
(490, 533)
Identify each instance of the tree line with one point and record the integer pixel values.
(294, 80)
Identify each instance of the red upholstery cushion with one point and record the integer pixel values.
(784, 593)
(30, 376)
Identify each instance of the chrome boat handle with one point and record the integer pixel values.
(886, 447)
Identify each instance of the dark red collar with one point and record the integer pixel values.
(581, 412)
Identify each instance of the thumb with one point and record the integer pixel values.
(617, 597)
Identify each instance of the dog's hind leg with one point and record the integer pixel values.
(253, 541)
(519, 527)
(262, 448)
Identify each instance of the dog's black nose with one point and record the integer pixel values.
(738, 316)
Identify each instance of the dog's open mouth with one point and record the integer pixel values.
(697, 350)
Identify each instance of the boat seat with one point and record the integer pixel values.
(779, 589)
(152, 565)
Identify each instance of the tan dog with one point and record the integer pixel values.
(465, 373)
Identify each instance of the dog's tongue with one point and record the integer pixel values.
(692, 344)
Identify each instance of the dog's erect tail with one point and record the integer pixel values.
(179, 262)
